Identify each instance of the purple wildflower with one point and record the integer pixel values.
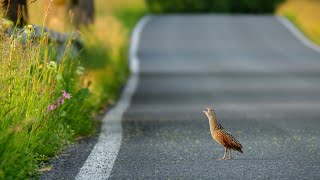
(66, 95)
(60, 101)
(51, 107)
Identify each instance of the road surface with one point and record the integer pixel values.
(262, 81)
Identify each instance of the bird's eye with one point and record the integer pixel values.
(211, 110)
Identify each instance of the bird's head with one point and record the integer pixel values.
(210, 112)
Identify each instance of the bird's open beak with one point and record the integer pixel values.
(206, 111)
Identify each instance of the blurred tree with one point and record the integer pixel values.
(83, 12)
(63, 12)
(216, 6)
(57, 17)
(16, 11)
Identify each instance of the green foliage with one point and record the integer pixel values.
(129, 17)
(30, 81)
(105, 55)
(105, 74)
(207, 6)
(94, 56)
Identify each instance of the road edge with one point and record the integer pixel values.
(298, 34)
(100, 162)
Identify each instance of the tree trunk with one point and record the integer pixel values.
(16, 11)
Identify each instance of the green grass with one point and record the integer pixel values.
(303, 14)
(105, 76)
(129, 16)
(31, 81)
(108, 65)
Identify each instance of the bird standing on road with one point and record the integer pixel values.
(222, 136)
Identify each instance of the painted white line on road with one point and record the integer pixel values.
(298, 34)
(102, 157)
(135, 39)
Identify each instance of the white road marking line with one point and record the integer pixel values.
(135, 39)
(298, 34)
(102, 157)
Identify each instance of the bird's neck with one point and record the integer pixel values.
(213, 123)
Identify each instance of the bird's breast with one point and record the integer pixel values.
(218, 137)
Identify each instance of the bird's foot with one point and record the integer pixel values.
(228, 158)
(223, 158)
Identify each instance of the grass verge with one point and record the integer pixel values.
(31, 81)
(35, 124)
(305, 15)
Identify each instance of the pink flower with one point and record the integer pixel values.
(66, 95)
(60, 101)
(51, 107)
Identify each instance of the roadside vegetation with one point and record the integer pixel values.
(213, 6)
(46, 105)
(107, 47)
(305, 15)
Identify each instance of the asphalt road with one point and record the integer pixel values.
(263, 83)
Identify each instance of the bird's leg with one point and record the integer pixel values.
(224, 156)
(230, 155)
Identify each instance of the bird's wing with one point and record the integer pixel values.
(230, 141)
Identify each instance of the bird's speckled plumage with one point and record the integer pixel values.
(222, 136)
